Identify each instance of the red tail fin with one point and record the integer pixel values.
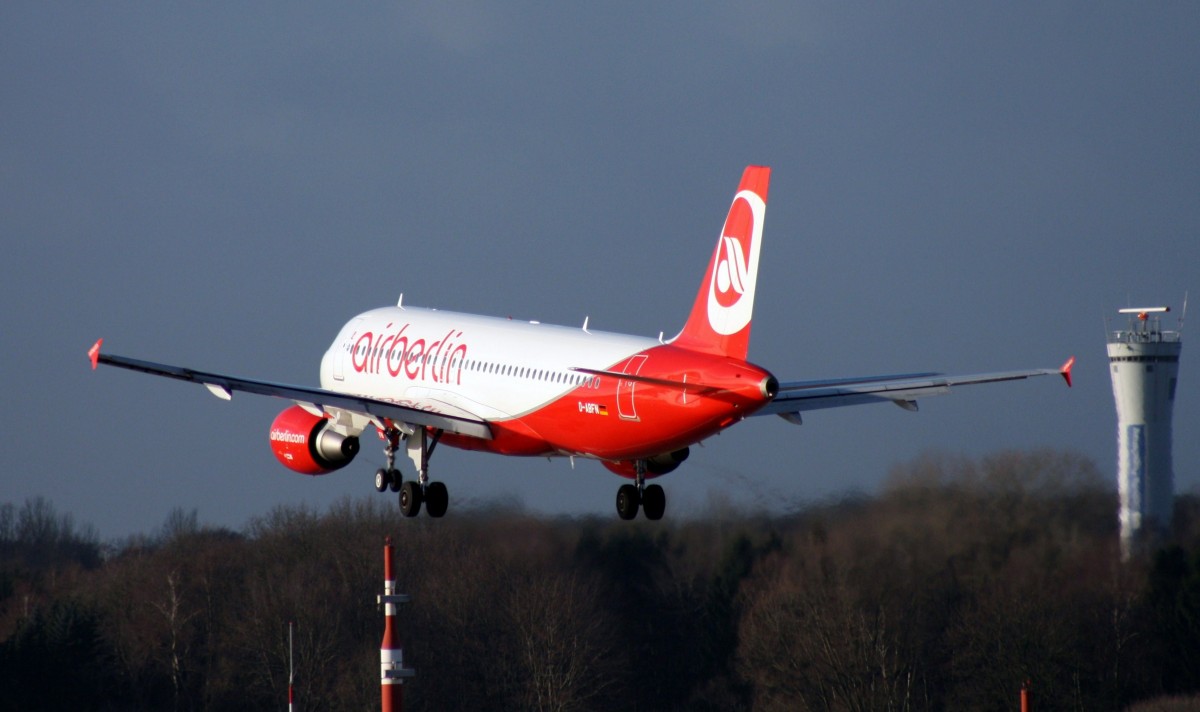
(720, 318)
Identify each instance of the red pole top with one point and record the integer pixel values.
(387, 562)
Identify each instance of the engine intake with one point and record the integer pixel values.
(303, 442)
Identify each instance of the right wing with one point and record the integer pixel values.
(902, 390)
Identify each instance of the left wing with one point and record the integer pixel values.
(902, 390)
(374, 409)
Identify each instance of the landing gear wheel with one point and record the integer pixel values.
(654, 502)
(627, 502)
(437, 499)
(410, 499)
(395, 479)
(382, 480)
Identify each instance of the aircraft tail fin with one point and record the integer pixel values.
(720, 319)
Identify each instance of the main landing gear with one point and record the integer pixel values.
(420, 445)
(651, 499)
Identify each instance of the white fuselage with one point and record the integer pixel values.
(490, 367)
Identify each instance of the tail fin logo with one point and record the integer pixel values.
(735, 266)
(731, 273)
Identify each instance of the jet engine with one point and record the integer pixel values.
(655, 466)
(303, 442)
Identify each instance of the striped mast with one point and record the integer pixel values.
(392, 672)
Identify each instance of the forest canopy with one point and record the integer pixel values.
(961, 580)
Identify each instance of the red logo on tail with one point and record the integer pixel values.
(735, 265)
(731, 273)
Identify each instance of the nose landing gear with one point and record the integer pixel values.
(389, 477)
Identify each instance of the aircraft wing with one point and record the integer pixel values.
(223, 386)
(902, 390)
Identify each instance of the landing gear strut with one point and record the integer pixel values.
(651, 499)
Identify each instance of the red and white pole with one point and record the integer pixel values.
(291, 672)
(392, 672)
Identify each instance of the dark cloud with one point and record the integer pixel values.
(955, 188)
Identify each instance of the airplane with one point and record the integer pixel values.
(423, 377)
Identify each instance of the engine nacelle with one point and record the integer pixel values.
(658, 465)
(304, 443)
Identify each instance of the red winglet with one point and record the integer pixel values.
(1066, 370)
(94, 353)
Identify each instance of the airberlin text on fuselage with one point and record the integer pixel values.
(403, 355)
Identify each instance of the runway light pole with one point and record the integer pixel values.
(392, 672)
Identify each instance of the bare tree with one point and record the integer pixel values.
(564, 642)
(812, 640)
(177, 615)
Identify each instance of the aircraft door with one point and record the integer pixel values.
(626, 407)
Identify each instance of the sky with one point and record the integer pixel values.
(956, 187)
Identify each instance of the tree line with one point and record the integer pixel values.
(960, 581)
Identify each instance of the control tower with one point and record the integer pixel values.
(1144, 364)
